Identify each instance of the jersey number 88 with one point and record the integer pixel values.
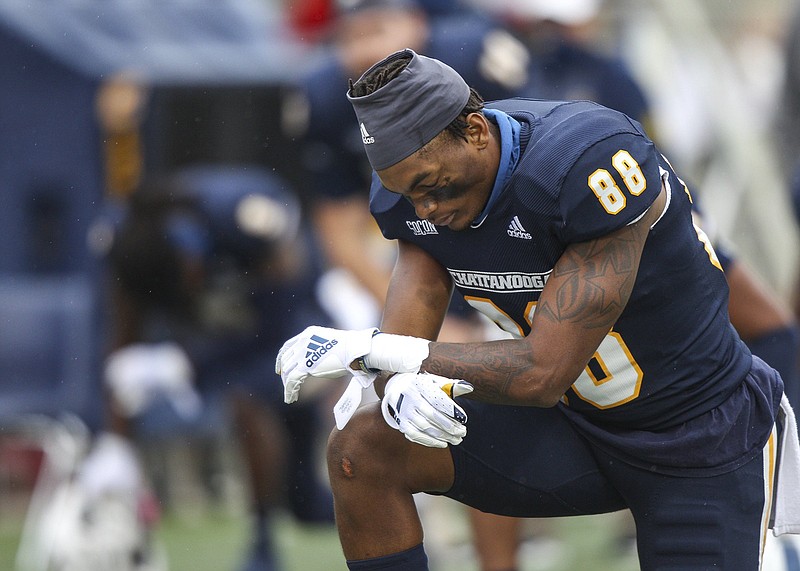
(605, 188)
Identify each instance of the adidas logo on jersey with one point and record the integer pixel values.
(317, 348)
(515, 230)
(366, 137)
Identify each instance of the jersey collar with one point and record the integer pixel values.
(509, 155)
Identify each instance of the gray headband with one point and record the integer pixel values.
(410, 110)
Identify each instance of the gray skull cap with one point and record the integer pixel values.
(410, 110)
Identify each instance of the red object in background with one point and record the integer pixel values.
(310, 18)
(20, 462)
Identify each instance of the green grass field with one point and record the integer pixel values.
(205, 531)
(213, 541)
(218, 542)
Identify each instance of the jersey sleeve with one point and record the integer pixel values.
(611, 184)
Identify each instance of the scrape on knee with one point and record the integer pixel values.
(347, 467)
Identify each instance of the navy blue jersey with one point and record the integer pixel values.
(584, 172)
(334, 158)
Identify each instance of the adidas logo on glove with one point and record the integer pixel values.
(317, 348)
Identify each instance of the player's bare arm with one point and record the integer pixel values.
(418, 296)
(587, 291)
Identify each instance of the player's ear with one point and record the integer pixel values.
(477, 130)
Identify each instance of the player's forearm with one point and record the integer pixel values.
(502, 372)
(497, 369)
(754, 309)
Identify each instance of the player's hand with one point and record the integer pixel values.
(322, 352)
(421, 406)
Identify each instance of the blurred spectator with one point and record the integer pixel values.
(564, 42)
(363, 33)
(210, 270)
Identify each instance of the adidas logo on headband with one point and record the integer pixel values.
(366, 137)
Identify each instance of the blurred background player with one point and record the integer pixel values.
(210, 268)
(362, 32)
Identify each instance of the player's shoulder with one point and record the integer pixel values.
(562, 122)
(594, 166)
(567, 134)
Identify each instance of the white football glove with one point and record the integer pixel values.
(322, 352)
(421, 406)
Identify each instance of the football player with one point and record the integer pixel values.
(625, 385)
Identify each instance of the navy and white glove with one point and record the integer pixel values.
(421, 406)
(322, 352)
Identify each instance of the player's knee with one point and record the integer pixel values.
(361, 448)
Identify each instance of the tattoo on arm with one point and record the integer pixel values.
(593, 280)
(496, 363)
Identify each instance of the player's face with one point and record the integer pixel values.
(448, 181)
